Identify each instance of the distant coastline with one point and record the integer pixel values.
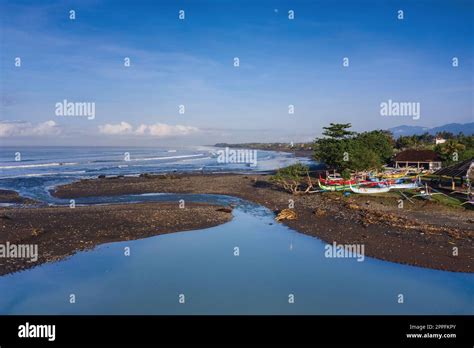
(298, 149)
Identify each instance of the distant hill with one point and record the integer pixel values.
(455, 128)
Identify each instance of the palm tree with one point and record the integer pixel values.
(449, 148)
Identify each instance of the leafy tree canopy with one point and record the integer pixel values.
(345, 150)
(338, 130)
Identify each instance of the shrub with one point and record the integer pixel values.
(291, 178)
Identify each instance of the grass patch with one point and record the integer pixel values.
(441, 199)
(449, 201)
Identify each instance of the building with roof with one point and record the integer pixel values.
(420, 159)
(462, 173)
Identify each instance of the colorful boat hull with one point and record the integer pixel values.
(369, 190)
(333, 187)
(408, 186)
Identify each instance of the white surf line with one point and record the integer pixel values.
(54, 164)
(167, 157)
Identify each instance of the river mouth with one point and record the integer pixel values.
(277, 270)
(250, 265)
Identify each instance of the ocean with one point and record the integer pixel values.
(41, 168)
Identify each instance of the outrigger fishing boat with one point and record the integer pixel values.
(394, 175)
(335, 179)
(428, 193)
(335, 182)
(369, 190)
(346, 187)
(326, 182)
(470, 198)
(366, 183)
(403, 185)
(333, 187)
(332, 181)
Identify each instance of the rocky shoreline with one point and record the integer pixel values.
(423, 234)
(59, 232)
(13, 197)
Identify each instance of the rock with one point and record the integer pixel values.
(286, 214)
(35, 231)
(225, 210)
(101, 176)
(354, 207)
(320, 212)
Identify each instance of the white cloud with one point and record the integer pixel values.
(155, 130)
(19, 129)
(165, 130)
(141, 129)
(120, 128)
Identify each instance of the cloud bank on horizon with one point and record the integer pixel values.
(150, 73)
(156, 130)
(27, 129)
(50, 128)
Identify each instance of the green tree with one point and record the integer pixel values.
(345, 150)
(291, 178)
(362, 157)
(404, 142)
(448, 150)
(380, 142)
(338, 131)
(445, 135)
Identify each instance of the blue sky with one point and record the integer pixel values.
(190, 62)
